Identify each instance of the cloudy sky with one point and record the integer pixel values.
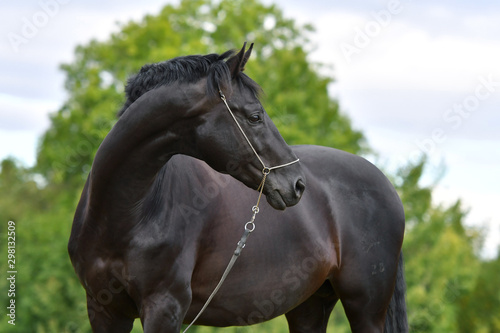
(414, 76)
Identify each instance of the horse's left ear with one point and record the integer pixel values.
(237, 62)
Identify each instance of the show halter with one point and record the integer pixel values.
(250, 225)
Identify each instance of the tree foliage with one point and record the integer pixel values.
(441, 256)
(443, 270)
(478, 310)
(296, 94)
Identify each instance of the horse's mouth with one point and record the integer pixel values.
(275, 199)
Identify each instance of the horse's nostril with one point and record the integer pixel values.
(299, 187)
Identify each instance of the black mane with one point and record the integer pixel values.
(186, 69)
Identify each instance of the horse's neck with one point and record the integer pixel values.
(129, 158)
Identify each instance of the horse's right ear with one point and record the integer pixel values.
(237, 62)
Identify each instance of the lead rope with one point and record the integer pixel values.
(249, 226)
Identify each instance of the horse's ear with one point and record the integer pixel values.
(246, 57)
(237, 62)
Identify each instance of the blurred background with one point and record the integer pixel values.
(412, 86)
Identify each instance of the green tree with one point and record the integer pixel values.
(17, 182)
(441, 255)
(480, 308)
(48, 298)
(442, 265)
(296, 94)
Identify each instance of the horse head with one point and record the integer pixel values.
(238, 137)
(213, 110)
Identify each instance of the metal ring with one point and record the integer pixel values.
(266, 171)
(255, 209)
(250, 226)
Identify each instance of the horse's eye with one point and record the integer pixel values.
(254, 118)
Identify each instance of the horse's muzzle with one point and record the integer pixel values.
(280, 200)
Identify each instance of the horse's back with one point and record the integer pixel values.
(353, 185)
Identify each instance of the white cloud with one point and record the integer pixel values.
(19, 144)
(402, 55)
(405, 80)
(440, 12)
(25, 114)
(483, 26)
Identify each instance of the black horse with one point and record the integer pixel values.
(153, 232)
